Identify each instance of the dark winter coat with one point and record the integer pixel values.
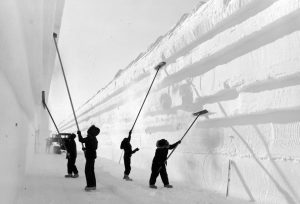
(70, 145)
(127, 147)
(161, 152)
(91, 145)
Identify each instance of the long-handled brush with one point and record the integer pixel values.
(62, 68)
(46, 107)
(197, 114)
(157, 68)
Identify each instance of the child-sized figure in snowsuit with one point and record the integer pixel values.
(159, 163)
(91, 145)
(125, 144)
(70, 145)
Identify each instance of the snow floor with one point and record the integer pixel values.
(45, 183)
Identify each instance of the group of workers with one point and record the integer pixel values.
(90, 152)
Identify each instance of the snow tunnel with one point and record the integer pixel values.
(238, 59)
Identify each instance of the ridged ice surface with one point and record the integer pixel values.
(240, 60)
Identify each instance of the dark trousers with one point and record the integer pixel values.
(155, 173)
(71, 166)
(89, 172)
(127, 161)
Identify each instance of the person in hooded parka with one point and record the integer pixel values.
(126, 146)
(90, 152)
(159, 163)
(70, 145)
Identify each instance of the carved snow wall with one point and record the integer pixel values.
(27, 58)
(240, 60)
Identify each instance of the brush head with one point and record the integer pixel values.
(160, 65)
(55, 35)
(43, 99)
(200, 113)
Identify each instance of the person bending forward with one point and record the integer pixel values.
(159, 163)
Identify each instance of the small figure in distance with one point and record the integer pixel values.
(70, 145)
(126, 146)
(91, 145)
(159, 163)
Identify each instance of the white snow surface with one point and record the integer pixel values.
(239, 59)
(26, 63)
(45, 183)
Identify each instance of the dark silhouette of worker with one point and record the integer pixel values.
(70, 145)
(159, 163)
(126, 146)
(91, 145)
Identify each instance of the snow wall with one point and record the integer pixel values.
(26, 61)
(240, 60)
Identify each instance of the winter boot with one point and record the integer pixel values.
(127, 178)
(168, 186)
(68, 176)
(75, 176)
(153, 186)
(90, 188)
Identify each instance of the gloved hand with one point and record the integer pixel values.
(136, 149)
(83, 148)
(178, 142)
(78, 132)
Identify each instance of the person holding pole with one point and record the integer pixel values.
(126, 146)
(91, 145)
(159, 163)
(71, 156)
(161, 156)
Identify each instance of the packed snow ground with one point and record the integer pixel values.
(45, 183)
